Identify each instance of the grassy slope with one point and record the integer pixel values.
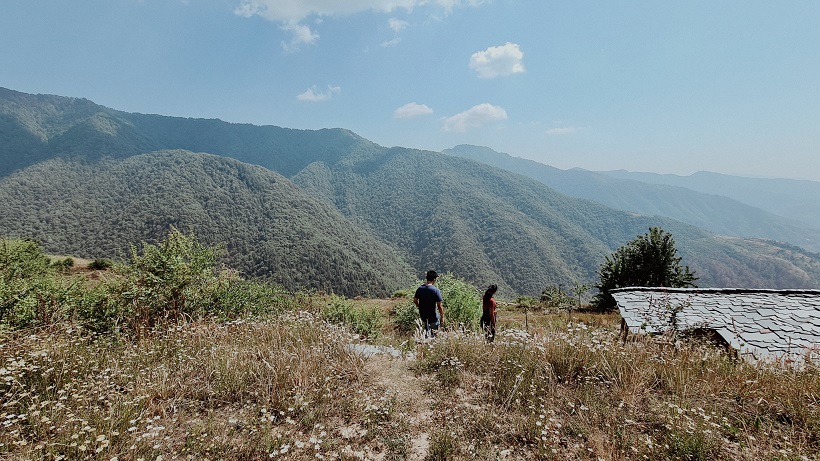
(290, 388)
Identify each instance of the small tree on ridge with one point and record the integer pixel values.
(650, 260)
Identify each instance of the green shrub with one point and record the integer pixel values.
(174, 279)
(366, 321)
(404, 293)
(63, 265)
(100, 264)
(21, 259)
(462, 305)
(554, 296)
(405, 316)
(29, 293)
(100, 308)
(232, 296)
(462, 302)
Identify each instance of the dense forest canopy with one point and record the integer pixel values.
(270, 227)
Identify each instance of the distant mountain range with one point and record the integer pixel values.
(798, 200)
(776, 209)
(330, 210)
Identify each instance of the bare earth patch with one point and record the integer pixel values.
(394, 375)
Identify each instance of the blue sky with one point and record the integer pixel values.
(663, 86)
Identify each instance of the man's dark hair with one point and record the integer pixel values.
(431, 275)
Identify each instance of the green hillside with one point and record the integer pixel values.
(492, 226)
(713, 210)
(362, 220)
(270, 227)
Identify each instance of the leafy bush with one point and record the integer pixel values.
(63, 265)
(554, 296)
(366, 321)
(232, 296)
(405, 316)
(177, 278)
(462, 302)
(29, 292)
(404, 293)
(172, 279)
(21, 259)
(526, 302)
(100, 264)
(462, 305)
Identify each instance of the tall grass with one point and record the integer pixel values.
(237, 390)
(580, 393)
(290, 387)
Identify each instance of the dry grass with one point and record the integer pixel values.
(290, 388)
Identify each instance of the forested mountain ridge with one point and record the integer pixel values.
(710, 211)
(362, 215)
(270, 227)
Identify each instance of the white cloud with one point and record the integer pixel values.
(498, 61)
(302, 35)
(397, 25)
(412, 110)
(291, 13)
(560, 131)
(475, 117)
(297, 10)
(314, 95)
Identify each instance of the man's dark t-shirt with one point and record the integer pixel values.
(428, 296)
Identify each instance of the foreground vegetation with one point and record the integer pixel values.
(290, 387)
(190, 371)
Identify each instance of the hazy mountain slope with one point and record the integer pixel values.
(794, 199)
(709, 211)
(735, 262)
(34, 128)
(492, 226)
(271, 227)
(286, 151)
(38, 127)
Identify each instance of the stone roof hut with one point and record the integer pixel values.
(768, 325)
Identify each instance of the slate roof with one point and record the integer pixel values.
(766, 325)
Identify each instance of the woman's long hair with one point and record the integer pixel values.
(489, 293)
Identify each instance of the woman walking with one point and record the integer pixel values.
(488, 314)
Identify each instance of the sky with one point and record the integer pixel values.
(730, 86)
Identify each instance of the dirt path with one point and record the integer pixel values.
(394, 375)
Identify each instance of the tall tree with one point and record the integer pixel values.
(650, 260)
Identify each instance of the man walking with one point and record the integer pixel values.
(429, 300)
